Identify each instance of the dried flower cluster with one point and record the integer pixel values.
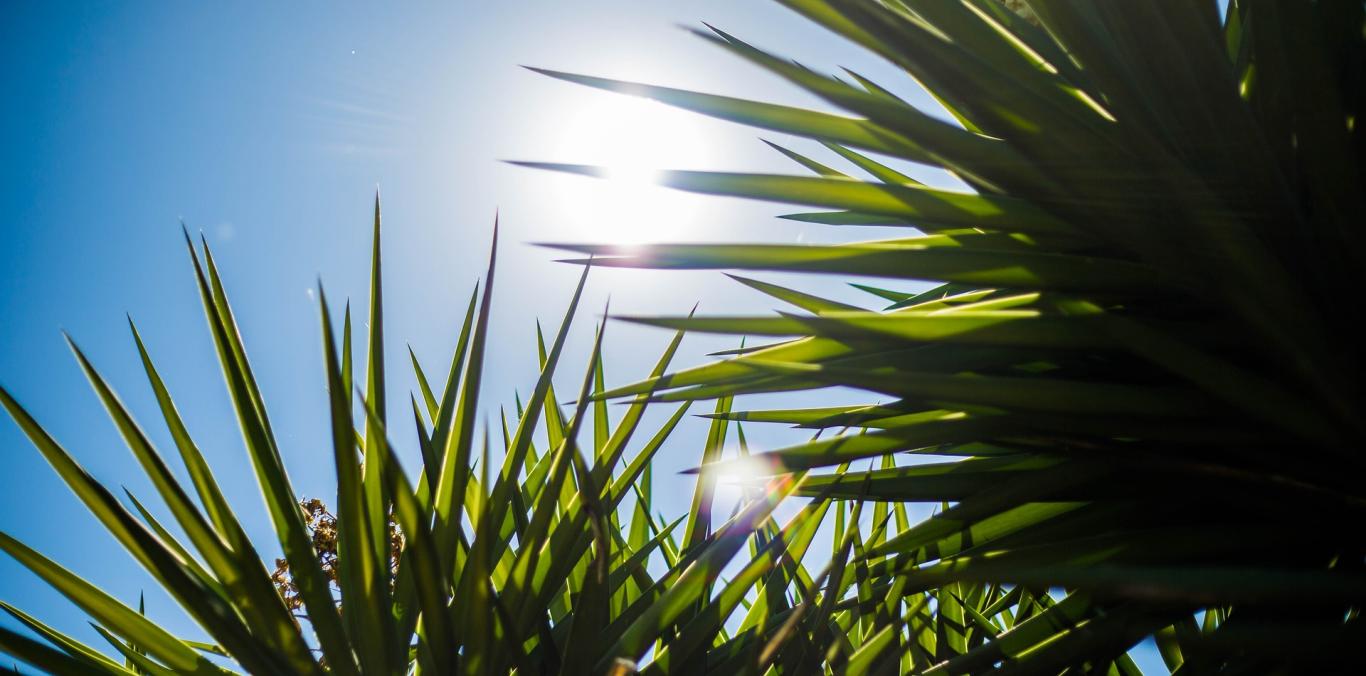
(322, 524)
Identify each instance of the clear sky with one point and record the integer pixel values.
(269, 128)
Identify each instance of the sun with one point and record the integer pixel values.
(740, 478)
(633, 139)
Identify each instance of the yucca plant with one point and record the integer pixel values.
(551, 561)
(1137, 383)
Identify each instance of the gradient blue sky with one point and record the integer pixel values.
(269, 129)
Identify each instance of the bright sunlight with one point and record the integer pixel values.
(634, 139)
(740, 478)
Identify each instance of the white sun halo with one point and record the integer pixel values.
(633, 139)
(741, 478)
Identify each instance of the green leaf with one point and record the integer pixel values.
(245, 581)
(689, 587)
(42, 656)
(450, 494)
(110, 612)
(982, 267)
(270, 472)
(87, 657)
(928, 208)
(363, 575)
(419, 556)
(804, 301)
(376, 505)
(786, 119)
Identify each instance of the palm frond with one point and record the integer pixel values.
(1137, 368)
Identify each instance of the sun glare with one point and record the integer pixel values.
(633, 139)
(741, 478)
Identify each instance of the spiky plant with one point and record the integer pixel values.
(553, 561)
(1138, 379)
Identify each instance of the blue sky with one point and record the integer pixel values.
(268, 129)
